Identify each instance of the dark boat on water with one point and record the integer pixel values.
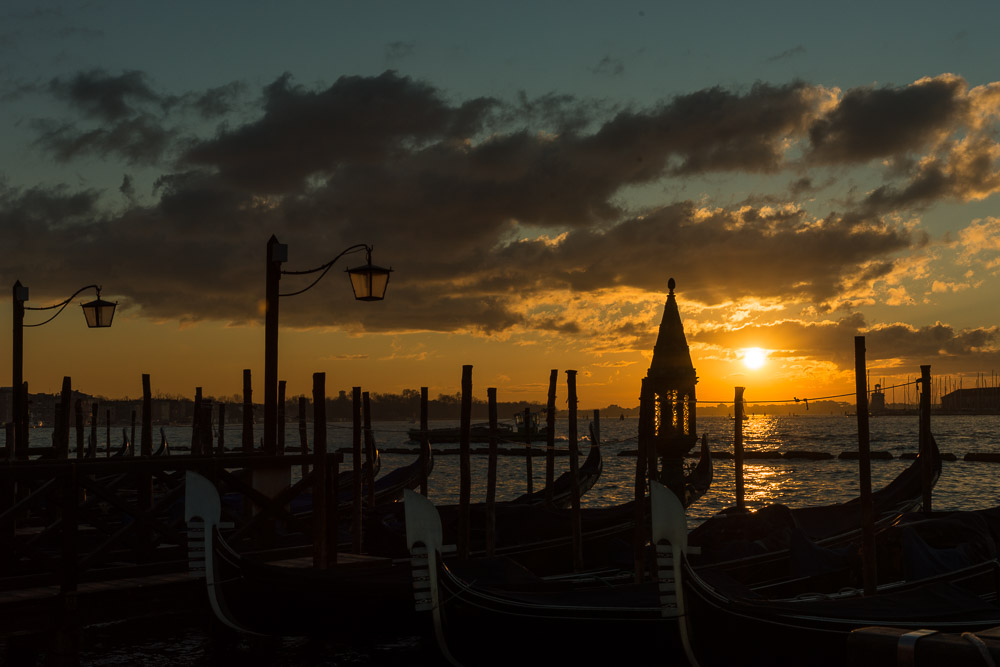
(941, 576)
(385, 490)
(776, 542)
(291, 597)
(535, 534)
(581, 620)
(506, 431)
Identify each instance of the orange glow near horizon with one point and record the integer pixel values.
(181, 356)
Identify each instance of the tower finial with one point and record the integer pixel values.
(670, 285)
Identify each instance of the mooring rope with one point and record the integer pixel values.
(795, 399)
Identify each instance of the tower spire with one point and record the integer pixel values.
(668, 402)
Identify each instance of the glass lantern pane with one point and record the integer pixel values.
(107, 313)
(379, 282)
(361, 285)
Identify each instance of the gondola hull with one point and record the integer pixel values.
(470, 604)
(774, 543)
(727, 628)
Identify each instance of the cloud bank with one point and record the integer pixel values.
(504, 215)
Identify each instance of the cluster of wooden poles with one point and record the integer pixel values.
(864, 455)
(465, 476)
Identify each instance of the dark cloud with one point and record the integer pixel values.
(710, 130)
(302, 133)
(217, 101)
(122, 116)
(140, 140)
(480, 205)
(127, 188)
(103, 96)
(971, 170)
(609, 66)
(788, 54)
(870, 123)
(722, 254)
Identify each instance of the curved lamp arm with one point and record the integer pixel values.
(61, 305)
(326, 267)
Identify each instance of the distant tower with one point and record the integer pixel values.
(876, 404)
(668, 406)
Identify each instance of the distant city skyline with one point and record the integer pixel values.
(533, 174)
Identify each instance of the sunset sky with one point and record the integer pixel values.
(534, 173)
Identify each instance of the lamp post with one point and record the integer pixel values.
(369, 283)
(98, 313)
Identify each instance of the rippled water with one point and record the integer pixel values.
(963, 485)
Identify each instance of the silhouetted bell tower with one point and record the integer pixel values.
(667, 406)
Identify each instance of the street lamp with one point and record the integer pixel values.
(98, 313)
(369, 283)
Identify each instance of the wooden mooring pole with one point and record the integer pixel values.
(205, 436)
(369, 480)
(65, 396)
(247, 412)
(356, 462)
(465, 470)
(303, 433)
(195, 428)
(550, 435)
(738, 448)
(529, 474)
(868, 562)
(144, 479)
(641, 460)
(281, 417)
(321, 545)
(926, 465)
(78, 410)
(491, 474)
(425, 441)
(147, 418)
(92, 443)
(574, 468)
(221, 446)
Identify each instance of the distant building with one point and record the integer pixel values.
(876, 404)
(984, 400)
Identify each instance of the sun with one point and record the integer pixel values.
(754, 357)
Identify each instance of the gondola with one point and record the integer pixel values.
(387, 489)
(728, 623)
(536, 535)
(492, 612)
(126, 449)
(777, 542)
(560, 493)
(290, 598)
(164, 448)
